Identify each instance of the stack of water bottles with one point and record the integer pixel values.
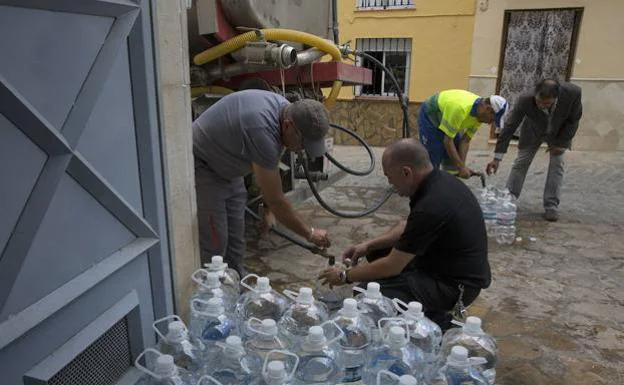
(260, 338)
(499, 212)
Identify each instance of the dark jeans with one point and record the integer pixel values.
(437, 296)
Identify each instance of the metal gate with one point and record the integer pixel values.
(84, 263)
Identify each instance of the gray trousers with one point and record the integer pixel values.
(552, 189)
(221, 216)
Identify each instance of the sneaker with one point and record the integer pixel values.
(551, 215)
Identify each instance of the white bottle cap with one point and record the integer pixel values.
(234, 347)
(373, 290)
(263, 285)
(397, 336)
(176, 332)
(407, 380)
(414, 310)
(214, 306)
(316, 336)
(269, 326)
(473, 325)
(165, 367)
(276, 370)
(234, 342)
(305, 296)
(216, 264)
(458, 356)
(349, 307)
(212, 280)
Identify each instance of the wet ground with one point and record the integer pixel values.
(556, 304)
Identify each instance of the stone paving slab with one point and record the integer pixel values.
(556, 305)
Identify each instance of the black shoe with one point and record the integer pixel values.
(551, 215)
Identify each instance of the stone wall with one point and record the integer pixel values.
(379, 122)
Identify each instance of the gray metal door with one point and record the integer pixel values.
(84, 263)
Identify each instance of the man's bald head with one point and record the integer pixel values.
(407, 152)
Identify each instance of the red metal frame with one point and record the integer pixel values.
(322, 74)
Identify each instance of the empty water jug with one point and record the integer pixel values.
(177, 343)
(263, 338)
(478, 343)
(229, 277)
(373, 304)
(357, 329)
(319, 357)
(460, 369)
(260, 301)
(209, 286)
(210, 323)
(164, 370)
(395, 353)
(385, 377)
(231, 366)
(300, 316)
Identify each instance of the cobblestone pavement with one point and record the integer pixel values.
(556, 304)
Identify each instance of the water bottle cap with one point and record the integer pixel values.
(397, 336)
(316, 335)
(305, 296)
(165, 366)
(234, 342)
(176, 332)
(216, 264)
(473, 324)
(212, 280)
(276, 370)
(263, 285)
(414, 309)
(458, 356)
(373, 290)
(269, 326)
(407, 380)
(349, 307)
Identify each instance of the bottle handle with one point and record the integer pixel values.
(400, 305)
(257, 321)
(225, 346)
(340, 332)
(144, 369)
(195, 309)
(457, 323)
(384, 373)
(393, 319)
(245, 285)
(292, 295)
(197, 277)
(210, 380)
(359, 289)
(167, 318)
(283, 352)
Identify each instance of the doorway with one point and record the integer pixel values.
(536, 44)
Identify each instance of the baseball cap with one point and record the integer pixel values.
(499, 105)
(311, 118)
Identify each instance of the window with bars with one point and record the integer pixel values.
(384, 4)
(395, 54)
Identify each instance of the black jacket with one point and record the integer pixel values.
(534, 130)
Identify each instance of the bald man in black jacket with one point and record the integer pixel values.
(550, 114)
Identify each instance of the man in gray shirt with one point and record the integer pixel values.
(246, 132)
(550, 114)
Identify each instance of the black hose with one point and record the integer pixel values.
(366, 147)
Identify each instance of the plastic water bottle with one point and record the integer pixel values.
(177, 343)
(395, 354)
(424, 333)
(209, 286)
(319, 357)
(459, 369)
(384, 375)
(231, 366)
(357, 329)
(261, 302)
(305, 312)
(210, 323)
(477, 342)
(229, 277)
(506, 221)
(490, 212)
(278, 368)
(263, 338)
(374, 305)
(164, 371)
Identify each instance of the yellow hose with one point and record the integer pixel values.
(239, 41)
(198, 91)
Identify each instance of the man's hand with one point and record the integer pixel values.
(319, 237)
(465, 172)
(331, 276)
(556, 151)
(355, 252)
(268, 221)
(492, 167)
